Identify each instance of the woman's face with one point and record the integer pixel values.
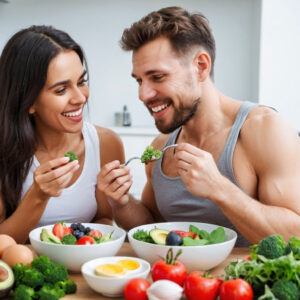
(60, 103)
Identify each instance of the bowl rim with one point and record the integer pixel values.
(122, 236)
(138, 273)
(132, 230)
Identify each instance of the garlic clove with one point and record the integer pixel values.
(164, 290)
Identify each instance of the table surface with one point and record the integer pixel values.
(85, 292)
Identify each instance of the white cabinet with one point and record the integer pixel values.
(135, 140)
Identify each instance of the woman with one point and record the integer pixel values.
(43, 84)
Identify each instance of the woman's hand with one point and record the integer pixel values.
(198, 170)
(55, 175)
(115, 181)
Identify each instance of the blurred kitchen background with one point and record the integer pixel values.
(258, 54)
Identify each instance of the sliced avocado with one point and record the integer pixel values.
(7, 279)
(159, 235)
(47, 236)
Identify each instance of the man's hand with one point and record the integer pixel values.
(198, 170)
(115, 181)
(55, 175)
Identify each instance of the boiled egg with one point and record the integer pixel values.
(15, 254)
(5, 241)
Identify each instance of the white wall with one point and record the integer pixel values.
(280, 57)
(98, 24)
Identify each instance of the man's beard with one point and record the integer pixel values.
(181, 116)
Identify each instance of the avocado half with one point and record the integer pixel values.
(159, 235)
(7, 279)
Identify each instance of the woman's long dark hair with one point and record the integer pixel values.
(23, 72)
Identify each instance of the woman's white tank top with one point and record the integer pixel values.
(77, 203)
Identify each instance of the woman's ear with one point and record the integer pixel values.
(31, 110)
(203, 63)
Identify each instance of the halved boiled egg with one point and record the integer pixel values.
(129, 264)
(110, 270)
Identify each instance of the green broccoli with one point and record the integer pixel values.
(150, 154)
(273, 246)
(68, 286)
(32, 278)
(48, 292)
(285, 290)
(19, 270)
(23, 292)
(294, 246)
(57, 272)
(41, 263)
(71, 155)
(69, 239)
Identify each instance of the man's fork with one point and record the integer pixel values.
(153, 158)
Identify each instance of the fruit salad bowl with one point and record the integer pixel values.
(74, 256)
(197, 254)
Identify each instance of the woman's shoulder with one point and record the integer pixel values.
(107, 135)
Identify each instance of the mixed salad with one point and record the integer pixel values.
(150, 154)
(193, 237)
(71, 155)
(75, 234)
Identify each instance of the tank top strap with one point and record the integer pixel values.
(225, 160)
(173, 137)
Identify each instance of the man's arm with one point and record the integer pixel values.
(273, 149)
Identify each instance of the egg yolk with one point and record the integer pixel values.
(129, 264)
(110, 270)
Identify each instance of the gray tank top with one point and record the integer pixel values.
(176, 203)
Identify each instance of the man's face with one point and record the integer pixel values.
(168, 84)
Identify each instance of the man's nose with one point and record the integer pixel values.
(146, 92)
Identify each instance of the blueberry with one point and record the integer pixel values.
(78, 234)
(173, 239)
(87, 230)
(81, 227)
(74, 226)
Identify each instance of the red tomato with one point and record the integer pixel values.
(198, 287)
(95, 233)
(58, 230)
(136, 288)
(85, 240)
(236, 289)
(170, 269)
(183, 234)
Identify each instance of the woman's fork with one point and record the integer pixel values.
(153, 157)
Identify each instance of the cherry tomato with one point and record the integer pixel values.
(236, 289)
(198, 287)
(170, 269)
(85, 240)
(185, 233)
(95, 233)
(58, 230)
(136, 288)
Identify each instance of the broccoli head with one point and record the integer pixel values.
(41, 263)
(149, 154)
(273, 246)
(285, 290)
(49, 292)
(57, 272)
(23, 292)
(294, 246)
(69, 239)
(72, 156)
(19, 270)
(32, 278)
(68, 286)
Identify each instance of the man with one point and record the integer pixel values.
(237, 164)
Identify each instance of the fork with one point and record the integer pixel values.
(152, 159)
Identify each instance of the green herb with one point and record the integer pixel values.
(143, 235)
(188, 241)
(216, 236)
(71, 155)
(150, 154)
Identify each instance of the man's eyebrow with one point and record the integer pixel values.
(64, 82)
(150, 72)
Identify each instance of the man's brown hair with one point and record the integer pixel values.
(183, 29)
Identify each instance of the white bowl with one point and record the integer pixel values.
(112, 286)
(73, 256)
(194, 257)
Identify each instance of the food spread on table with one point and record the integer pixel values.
(75, 234)
(193, 237)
